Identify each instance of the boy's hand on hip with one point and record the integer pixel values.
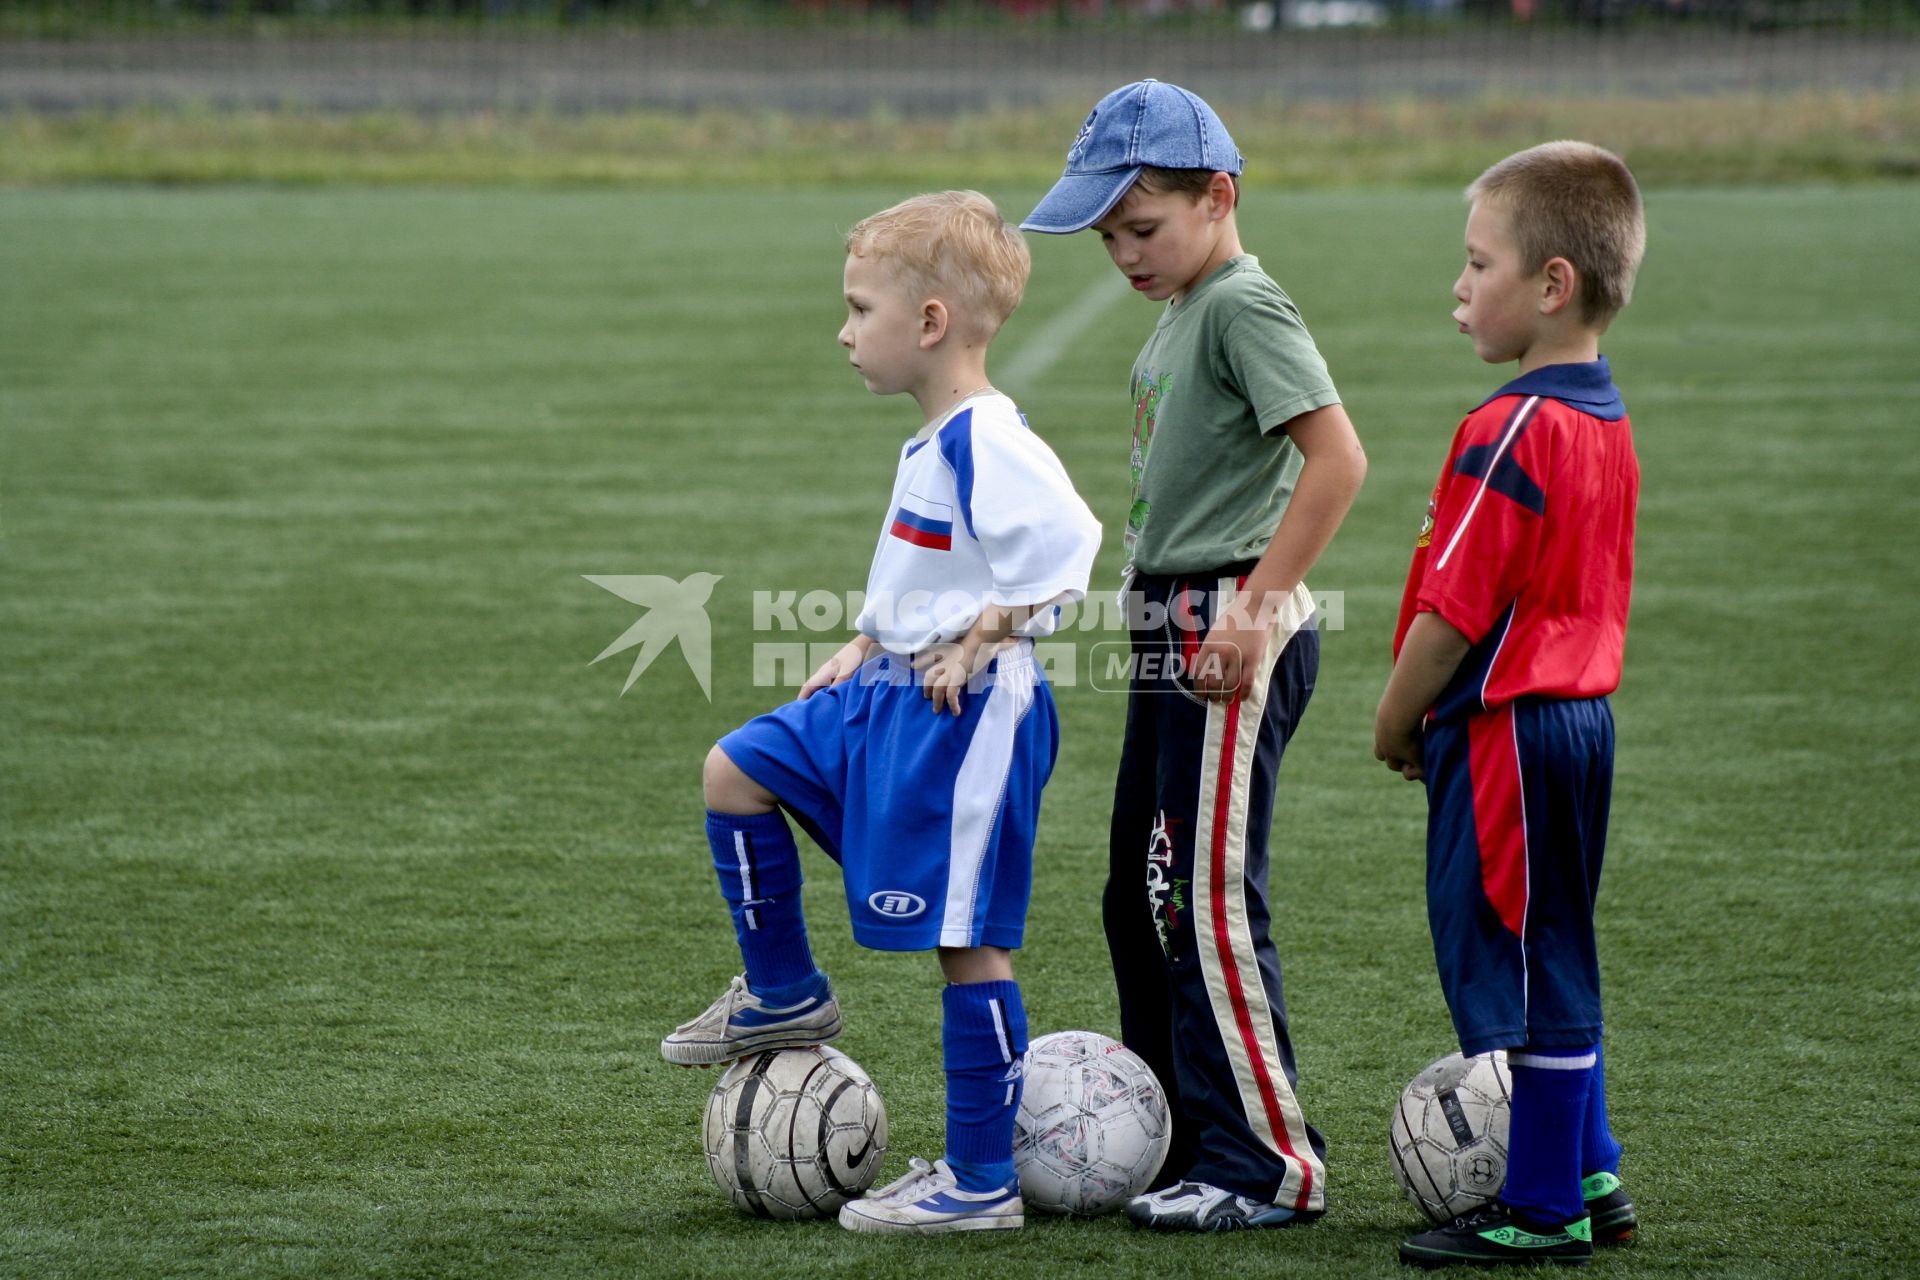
(945, 670)
(1229, 658)
(840, 666)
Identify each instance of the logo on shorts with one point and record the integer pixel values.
(897, 903)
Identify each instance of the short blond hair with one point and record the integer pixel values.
(1575, 201)
(955, 246)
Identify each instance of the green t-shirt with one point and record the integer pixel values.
(1212, 473)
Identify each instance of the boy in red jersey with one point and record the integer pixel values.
(1510, 637)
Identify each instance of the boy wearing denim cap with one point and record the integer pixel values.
(1244, 464)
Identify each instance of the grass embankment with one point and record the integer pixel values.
(1725, 139)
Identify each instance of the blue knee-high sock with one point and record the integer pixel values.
(759, 869)
(1543, 1143)
(1599, 1149)
(985, 1038)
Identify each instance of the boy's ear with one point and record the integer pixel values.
(1223, 193)
(1561, 279)
(935, 320)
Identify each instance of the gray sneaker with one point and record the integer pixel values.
(929, 1201)
(740, 1023)
(1196, 1206)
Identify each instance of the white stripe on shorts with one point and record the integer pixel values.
(979, 787)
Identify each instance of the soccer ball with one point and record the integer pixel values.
(795, 1133)
(1449, 1137)
(1092, 1127)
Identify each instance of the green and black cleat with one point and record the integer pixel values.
(1608, 1208)
(1498, 1236)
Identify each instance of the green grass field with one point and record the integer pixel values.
(344, 903)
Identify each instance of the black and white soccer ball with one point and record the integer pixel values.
(1449, 1138)
(795, 1133)
(1093, 1125)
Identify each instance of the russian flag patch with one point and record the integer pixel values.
(923, 523)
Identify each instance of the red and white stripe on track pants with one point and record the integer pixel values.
(1186, 906)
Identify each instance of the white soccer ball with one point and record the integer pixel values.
(795, 1133)
(1093, 1125)
(1449, 1137)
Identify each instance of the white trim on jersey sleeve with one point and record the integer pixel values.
(1039, 536)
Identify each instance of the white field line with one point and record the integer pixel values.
(1059, 333)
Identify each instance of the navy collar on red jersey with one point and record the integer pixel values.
(1587, 388)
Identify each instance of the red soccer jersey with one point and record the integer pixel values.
(1528, 545)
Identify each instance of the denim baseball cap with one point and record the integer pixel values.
(1141, 124)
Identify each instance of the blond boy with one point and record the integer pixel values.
(1511, 634)
(916, 755)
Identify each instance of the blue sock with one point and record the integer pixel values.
(1599, 1149)
(759, 869)
(1543, 1143)
(985, 1039)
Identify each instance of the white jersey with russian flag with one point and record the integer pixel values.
(982, 513)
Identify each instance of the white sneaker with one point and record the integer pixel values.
(740, 1023)
(1197, 1206)
(929, 1201)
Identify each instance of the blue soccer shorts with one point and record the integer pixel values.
(931, 816)
(1517, 802)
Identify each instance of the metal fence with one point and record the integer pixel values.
(916, 57)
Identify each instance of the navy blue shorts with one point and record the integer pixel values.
(1516, 830)
(930, 815)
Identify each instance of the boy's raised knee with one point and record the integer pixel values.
(729, 790)
(717, 775)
